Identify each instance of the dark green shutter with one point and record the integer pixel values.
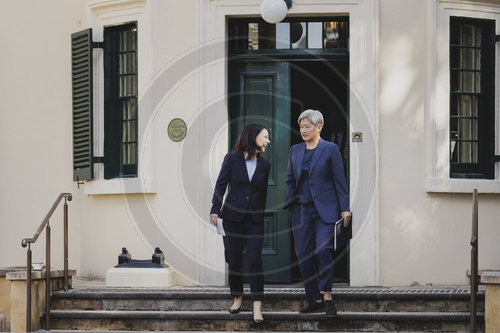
(81, 73)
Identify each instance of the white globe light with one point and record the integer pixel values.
(273, 11)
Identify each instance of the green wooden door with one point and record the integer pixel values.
(259, 92)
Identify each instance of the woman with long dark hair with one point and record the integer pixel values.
(246, 172)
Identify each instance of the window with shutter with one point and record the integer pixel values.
(81, 72)
(472, 98)
(120, 101)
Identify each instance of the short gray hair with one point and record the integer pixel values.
(314, 116)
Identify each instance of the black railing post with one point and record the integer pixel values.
(47, 277)
(474, 264)
(28, 290)
(65, 222)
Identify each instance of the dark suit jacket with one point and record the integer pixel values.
(244, 196)
(326, 179)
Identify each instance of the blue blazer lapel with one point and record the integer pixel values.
(317, 154)
(299, 155)
(243, 166)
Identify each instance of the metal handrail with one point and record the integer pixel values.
(28, 241)
(474, 276)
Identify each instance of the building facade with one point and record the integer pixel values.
(131, 105)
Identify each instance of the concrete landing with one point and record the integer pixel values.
(140, 277)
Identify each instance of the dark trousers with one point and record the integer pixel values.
(314, 248)
(239, 235)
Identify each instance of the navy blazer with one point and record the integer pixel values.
(244, 196)
(326, 180)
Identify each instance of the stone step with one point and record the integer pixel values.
(276, 299)
(121, 331)
(274, 321)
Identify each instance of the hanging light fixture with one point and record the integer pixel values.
(274, 11)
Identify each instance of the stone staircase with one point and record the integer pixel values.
(205, 309)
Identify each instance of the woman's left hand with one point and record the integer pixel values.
(213, 219)
(347, 217)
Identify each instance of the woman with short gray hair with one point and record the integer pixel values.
(317, 197)
(314, 116)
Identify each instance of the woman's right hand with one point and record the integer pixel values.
(213, 219)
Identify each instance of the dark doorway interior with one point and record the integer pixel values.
(322, 85)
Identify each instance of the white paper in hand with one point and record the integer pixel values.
(220, 228)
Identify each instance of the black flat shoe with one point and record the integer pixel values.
(233, 311)
(313, 307)
(331, 310)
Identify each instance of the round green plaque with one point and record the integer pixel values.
(177, 129)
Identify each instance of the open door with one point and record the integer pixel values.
(259, 92)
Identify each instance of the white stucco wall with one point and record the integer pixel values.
(424, 237)
(35, 126)
(161, 217)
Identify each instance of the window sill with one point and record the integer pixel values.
(119, 186)
(447, 185)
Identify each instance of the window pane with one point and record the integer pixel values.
(253, 36)
(130, 109)
(468, 35)
(468, 84)
(283, 35)
(454, 105)
(331, 34)
(473, 125)
(465, 129)
(456, 80)
(126, 132)
(477, 58)
(474, 106)
(132, 153)
(298, 36)
(477, 36)
(453, 152)
(454, 128)
(456, 61)
(465, 106)
(129, 131)
(464, 152)
(477, 86)
(474, 147)
(129, 153)
(456, 37)
(267, 33)
(468, 61)
(315, 35)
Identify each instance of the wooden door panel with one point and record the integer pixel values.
(259, 93)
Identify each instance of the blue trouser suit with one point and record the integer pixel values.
(240, 235)
(314, 248)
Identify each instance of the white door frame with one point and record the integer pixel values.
(363, 111)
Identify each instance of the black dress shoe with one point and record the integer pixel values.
(233, 311)
(331, 310)
(313, 307)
